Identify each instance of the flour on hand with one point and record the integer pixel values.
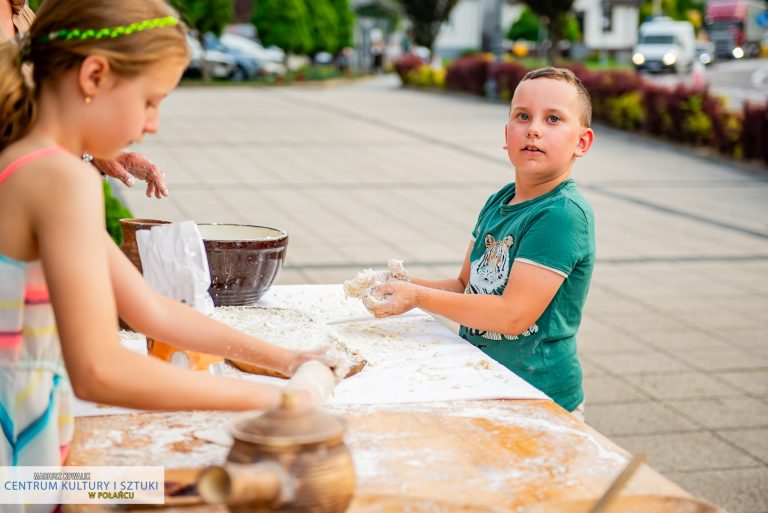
(368, 278)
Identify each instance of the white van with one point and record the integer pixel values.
(665, 44)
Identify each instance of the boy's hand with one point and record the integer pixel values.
(367, 278)
(391, 298)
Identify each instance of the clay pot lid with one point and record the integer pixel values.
(289, 426)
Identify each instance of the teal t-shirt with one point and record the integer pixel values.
(554, 231)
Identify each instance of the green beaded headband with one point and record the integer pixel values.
(110, 32)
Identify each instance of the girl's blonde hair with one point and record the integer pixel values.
(128, 55)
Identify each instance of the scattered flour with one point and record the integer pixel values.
(284, 327)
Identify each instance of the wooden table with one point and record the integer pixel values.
(488, 454)
(464, 456)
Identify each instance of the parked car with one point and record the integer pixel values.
(270, 60)
(220, 64)
(705, 52)
(246, 66)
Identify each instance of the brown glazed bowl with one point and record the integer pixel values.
(244, 261)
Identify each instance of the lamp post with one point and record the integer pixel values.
(497, 46)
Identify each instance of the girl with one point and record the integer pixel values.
(101, 68)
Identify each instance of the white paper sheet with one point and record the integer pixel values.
(410, 359)
(175, 264)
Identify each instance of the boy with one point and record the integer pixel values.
(526, 273)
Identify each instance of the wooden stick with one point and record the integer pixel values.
(618, 483)
(372, 318)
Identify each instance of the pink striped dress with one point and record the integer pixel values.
(35, 394)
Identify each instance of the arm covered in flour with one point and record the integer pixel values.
(315, 381)
(529, 291)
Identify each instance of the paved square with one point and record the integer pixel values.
(675, 335)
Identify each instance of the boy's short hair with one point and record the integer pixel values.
(566, 75)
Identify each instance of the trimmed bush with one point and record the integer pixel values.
(754, 137)
(468, 74)
(622, 99)
(507, 75)
(114, 211)
(426, 76)
(626, 111)
(405, 64)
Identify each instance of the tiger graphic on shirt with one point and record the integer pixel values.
(489, 275)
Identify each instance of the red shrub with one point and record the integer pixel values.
(603, 85)
(754, 135)
(507, 76)
(405, 64)
(726, 125)
(468, 74)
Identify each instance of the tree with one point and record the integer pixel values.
(554, 15)
(381, 10)
(427, 16)
(283, 23)
(205, 16)
(345, 20)
(685, 10)
(324, 24)
(527, 27)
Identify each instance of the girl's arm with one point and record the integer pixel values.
(177, 324)
(66, 214)
(529, 291)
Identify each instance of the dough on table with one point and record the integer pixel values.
(368, 278)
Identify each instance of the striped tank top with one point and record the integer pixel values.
(35, 394)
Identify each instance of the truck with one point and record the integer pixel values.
(733, 27)
(665, 45)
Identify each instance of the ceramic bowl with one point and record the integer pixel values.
(244, 261)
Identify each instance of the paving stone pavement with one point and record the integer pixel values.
(675, 336)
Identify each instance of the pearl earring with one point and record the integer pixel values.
(88, 100)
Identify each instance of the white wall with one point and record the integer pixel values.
(463, 29)
(623, 31)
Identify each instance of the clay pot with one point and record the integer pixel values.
(130, 227)
(285, 460)
(244, 261)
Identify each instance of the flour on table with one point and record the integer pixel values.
(287, 328)
(217, 435)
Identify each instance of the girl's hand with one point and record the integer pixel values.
(332, 358)
(320, 353)
(145, 170)
(312, 385)
(129, 166)
(391, 298)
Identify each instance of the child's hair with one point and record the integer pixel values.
(65, 33)
(566, 75)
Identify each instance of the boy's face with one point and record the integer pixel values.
(544, 133)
